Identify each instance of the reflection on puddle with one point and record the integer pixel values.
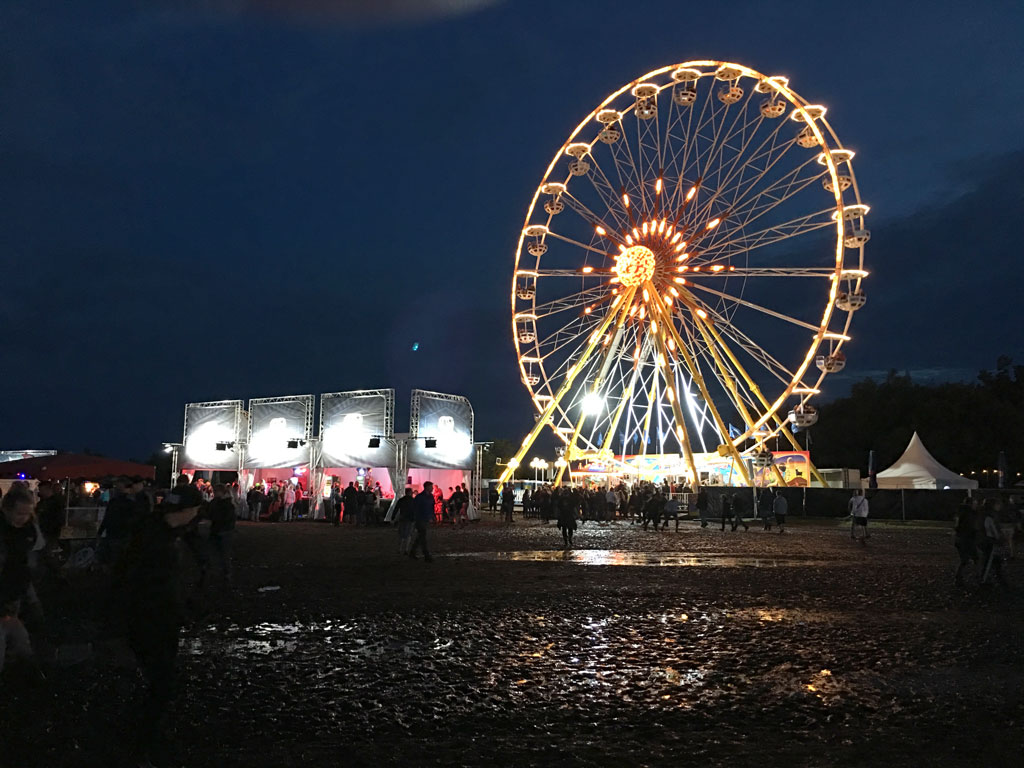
(621, 557)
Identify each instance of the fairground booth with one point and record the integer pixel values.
(212, 438)
(357, 442)
(439, 447)
(279, 447)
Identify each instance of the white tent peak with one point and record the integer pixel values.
(917, 468)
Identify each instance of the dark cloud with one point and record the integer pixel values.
(344, 12)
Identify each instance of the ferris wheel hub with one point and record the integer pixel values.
(635, 266)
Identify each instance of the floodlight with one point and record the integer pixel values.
(430, 442)
(593, 404)
(374, 442)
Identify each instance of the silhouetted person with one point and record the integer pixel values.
(154, 608)
(405, 513)
(567, 519)
(424, 516)
(965, 538)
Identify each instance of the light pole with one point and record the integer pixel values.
(561, 464)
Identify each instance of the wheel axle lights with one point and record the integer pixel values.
(635, 266)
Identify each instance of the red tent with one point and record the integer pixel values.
(73, 465)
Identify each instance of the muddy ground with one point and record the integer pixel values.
(637, 649)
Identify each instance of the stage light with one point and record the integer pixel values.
(430, 442)
(374, 442)
(221, 446)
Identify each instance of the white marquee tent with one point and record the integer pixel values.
(917, 468)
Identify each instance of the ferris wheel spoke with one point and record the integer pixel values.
(770, 157)
(752, 209)
(744, 242)
(594, 220)
(718, 183)
(763, 152)
(748, 272)
(722, 138)
(626, 169)
(609, 195)
(756, 353)
(570, 302)
(577, 243)
(752, 305)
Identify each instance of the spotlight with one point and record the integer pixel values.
(430, 442)
(222, 446)
(293, 443)
(374, 442)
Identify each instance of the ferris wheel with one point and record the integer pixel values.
(688, 269)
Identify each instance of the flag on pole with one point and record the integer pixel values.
(734, 432)
(872, 473)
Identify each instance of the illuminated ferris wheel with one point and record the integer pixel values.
(688, 269)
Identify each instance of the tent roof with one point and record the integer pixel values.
(917, 468)
(74, 465)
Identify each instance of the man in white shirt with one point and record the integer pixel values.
(859, 513)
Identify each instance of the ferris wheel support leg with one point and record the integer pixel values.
(682, 434)
(702, 326)
(751, 384)
(595, 388)
(691, 364)
(573, 372)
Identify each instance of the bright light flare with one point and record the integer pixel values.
(657, 186)
(691, 193)
(600, 230)
(593, 404)
(714, 223)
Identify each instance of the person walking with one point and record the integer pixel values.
(405, 513)
(991, 558)
(289, 502)
(739, 507)
(859, 509)
(702, 506)
(154, 611)
(779, 508)
(424, 516)
(222, 528)
(566, 520)
(117, 524)
(726, 502)
(965, 538)
(350, 502)
(766, 508)
(19, 605)
(507, 502)
(492, 499)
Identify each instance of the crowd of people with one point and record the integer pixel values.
(145, 531)
(980, 538)
(644, 503)
(137, 550)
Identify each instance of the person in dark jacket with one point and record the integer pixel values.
(19, 535)
(119, 519)
(702, 506)
(567, 518)
(405, 513)
(154, 610)
(350, 497)
(766, 507)
(739, 507)
(507, 503)
(423, 506)
(965, 538)
(222, 528)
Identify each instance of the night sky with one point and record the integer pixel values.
(250, 202)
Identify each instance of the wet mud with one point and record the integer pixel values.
(746, 648)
